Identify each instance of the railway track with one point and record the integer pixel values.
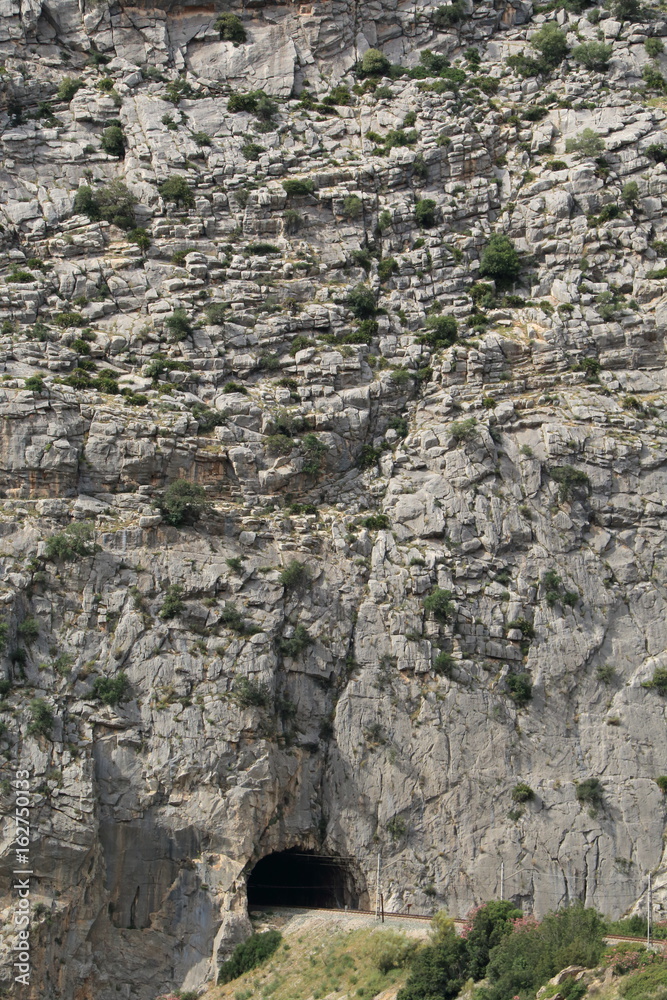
(610, 938)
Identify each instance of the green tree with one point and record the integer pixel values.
(500, 259)
(593, 55)
(374, 63)
(42, 718)
(551, 43)
(361, 301)
(75, 540)
(113, 203)
(179, 325)
(183, 502)
(231, 29)
(439, 604)
(586, 144)
(441, 331)
(425, 212)
(68, 88)
(438, 970)
(178, 190)
(490, 924)
(526, 959)
(113, 141)
(626, 10)
(111, 690)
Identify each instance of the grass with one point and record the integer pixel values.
(330, 961)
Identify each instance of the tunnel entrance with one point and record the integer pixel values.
(302, 878)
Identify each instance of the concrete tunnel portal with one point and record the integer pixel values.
(301, 878)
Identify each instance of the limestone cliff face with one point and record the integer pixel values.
(522, 468)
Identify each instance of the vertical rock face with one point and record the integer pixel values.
(394, 309)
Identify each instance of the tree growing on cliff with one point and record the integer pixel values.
(231, 29)
(183, 502)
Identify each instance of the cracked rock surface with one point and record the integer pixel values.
(430, 565)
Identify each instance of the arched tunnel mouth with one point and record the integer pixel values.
(302, 878)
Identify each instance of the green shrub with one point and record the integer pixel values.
(659, 681)
(571, 482)
(231, 617)
(42, 718)
(630, 193)
(296, 644)
(178, 89)
(589, 792)
(605, 673)
(248, 694)
(178, 190)
(173, 604)
(657, 152)
(231, 29)
(256, 102)
(386, 267)
(593, 55)
(279, 444)
(29, 629)
(179, 325)
(442, 331)
(376, 522)
(353, 206)
(551, 43)
(68, 88)
(522, 793)
(248, 955)
(183, 502)
(443, 665)
(500, 259)
(490, 924)
(234, 387)
(425, 212)
(373, 63)
(34, 383)
(4, 633)
(296, 188)
(217, 313)
(646, 983)
(654, 47)
(111, 690)
(294, 576)
(75, 540)
(141, 237)
(368, 456)
(448, 15)
(439, 604)
(111, 203)
(361, 300)
(528, 957)
(661, 782)
(202, 139)
(113, 141)
(384, 220)
(626, 10)
(587, 144)
(654, 79)
(520, 689)
(252, 150)
(463, 430)
(437, 971)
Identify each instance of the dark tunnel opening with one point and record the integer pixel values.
(302, 878)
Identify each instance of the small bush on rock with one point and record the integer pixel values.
(500, 259)
(42, 718)
(593, 55)
(75, 540)
(179, 325)
(373, 63)
(113, 141)
(520, 689)
(425, 212)
(248, 955)
(111, 690)
(439, 604)
(183, 502)
(361, 301)
(178, 190)
(589, 792)
(68, 88)
(231, 29)
(587, 144)
(113, 203)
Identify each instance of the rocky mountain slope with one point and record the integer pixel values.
(386, 281)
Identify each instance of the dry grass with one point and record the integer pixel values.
(326, 961)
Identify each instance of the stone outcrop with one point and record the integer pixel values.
(283, 673)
